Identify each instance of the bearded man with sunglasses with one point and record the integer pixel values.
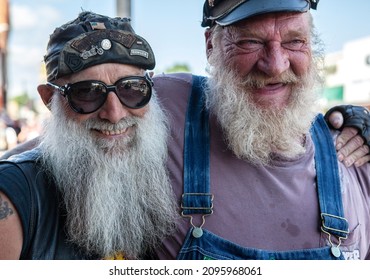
(97, 186)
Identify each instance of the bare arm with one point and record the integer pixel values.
(11, 236)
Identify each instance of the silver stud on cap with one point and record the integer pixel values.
(106, 44)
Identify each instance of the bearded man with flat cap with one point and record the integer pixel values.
(259, 177)
(97, 186)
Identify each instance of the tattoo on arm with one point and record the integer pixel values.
(5, 210)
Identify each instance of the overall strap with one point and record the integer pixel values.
(196, 198)
(328, 182)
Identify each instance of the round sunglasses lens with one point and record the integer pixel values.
(86, 97)
(134, 93)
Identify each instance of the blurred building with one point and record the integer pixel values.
(4, 30)
(347, 74)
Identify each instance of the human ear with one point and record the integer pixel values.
(46, 93)
(208, 37)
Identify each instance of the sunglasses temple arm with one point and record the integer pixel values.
(58, 88)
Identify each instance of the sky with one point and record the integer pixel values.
(172, 27)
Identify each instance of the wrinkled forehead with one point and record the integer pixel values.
(274, 18)
(106, 72)
(300, 23)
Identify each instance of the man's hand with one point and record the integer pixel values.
(350, 145)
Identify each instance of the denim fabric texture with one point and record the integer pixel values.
(212, 247)
(196, 199)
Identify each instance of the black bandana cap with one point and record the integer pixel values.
(93, 39)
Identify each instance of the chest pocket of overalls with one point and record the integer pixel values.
(198, 200)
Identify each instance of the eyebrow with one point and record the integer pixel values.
(250, 32)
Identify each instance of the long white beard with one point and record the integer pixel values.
(259, 134)
(117, 194)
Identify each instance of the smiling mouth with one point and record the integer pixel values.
(273, 86)
(112, 132)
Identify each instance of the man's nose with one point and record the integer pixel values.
(274, 61)
(113, 110)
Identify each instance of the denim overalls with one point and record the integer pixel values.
(197, 198)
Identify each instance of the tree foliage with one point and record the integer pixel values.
(178, 67)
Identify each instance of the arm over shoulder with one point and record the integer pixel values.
(21, 148)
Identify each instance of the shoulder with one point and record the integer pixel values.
(184, 79)
(18, 169)
(18, 174)
(174, 82)
(23, 158)
(21, 148)
(174, 87)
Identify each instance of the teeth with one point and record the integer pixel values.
(113, 132)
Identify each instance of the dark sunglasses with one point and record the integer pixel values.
(86, 97)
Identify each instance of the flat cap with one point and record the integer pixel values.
(93, 39)
(226, 12)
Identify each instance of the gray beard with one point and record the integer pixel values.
(117, 194)
(260, 134)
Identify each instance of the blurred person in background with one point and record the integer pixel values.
(8, 133)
